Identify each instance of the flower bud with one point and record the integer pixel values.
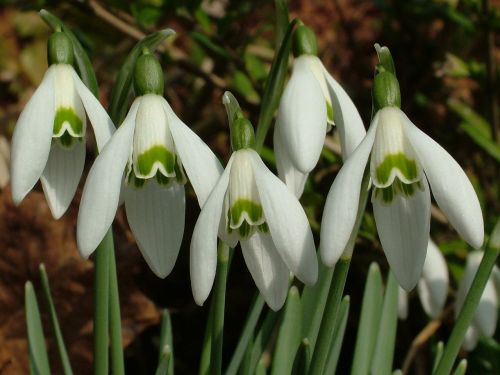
(304, 42)
(386, 90)
(242, 134)
(60, 49)
(148, 76)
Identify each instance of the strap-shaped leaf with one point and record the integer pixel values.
(122, 89)
(82, 61)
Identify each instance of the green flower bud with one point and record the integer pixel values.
(304, 41)
(242, 134)
(148, 76)
(386, 90)
(60, 49)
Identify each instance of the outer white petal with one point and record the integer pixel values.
(402, 304)
(32, 138)
(346, 117)
(99, 118)
(302, 117)
(101, 192)
(268, 270)
(200, 163)
(291, 176)
(450, 186)
(156, 216)
(287, 223)
(486, 315)
(61, 176)
(403, 228)
(471, 338)
(433, 286)
(203, 250)
(341, 206)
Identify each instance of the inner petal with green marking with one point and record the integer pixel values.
(396, 164)
(387, 194)
(68, 127)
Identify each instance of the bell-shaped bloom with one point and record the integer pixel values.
(484, 322)
(432, 287)
(312, 102)
(403, 161)
(49, 139)
(251, 205)
(150, 152)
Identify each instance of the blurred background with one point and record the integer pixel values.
(446, 54)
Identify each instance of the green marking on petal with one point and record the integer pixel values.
(407, 167)
(160, 154)
(329, 112)
(263, 228)
(241, 206)
(387, 194)
(67, 115)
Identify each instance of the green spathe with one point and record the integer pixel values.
(156, 154)
(407, 167)
(242, 134)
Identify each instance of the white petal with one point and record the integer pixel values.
(287, 223)
(485, 317)
(471, 338)
(203, 251)
(200, 163)
(433, 286)
(341, 206)
(101, 192)
(291, 176)
(156, 217)
(302, 117)
(99, 118)
(346, 117)
(268, 270)
(402, 304)
(403, 227)
(61, 176)
(32, 137)
(450, 186)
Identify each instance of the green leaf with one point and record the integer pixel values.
(82, 61)
(303, 358)
(123, 87)
(61, 347)
(164, 363)
(289, 335)
(338, 337)
(262, 340)
(39, 361)
(461, 368)
(244, 86)
(209, 45)
(274, 87)
(371, 309)
(166, 345)
(488, 145)
(386, 336)
(281, 20)
(438, 355)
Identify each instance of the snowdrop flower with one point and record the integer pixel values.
(252, 206)
(150, 151)
(484, 322)
(49, 139)
(312, 102)
(403, 161)
(432, 287)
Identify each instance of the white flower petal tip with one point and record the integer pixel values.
(101, 193)
(156, 217)
(341, 206)
(403, 227)
(287, 223)
(402, 304)
(32, 136)
(302, 117)
(433, 286)
(471, 339)
(450, 186)
(61, 176)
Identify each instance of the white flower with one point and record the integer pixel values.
(484, 322)
(432, 287)
(150, 150)
(251, 205)
(402, 159)
(49, 139)
(312, 100)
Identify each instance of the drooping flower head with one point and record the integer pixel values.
(312, 102)
(148, 160)
(252, 206)
(403, 162)
(49, 139)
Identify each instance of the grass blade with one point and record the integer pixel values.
(338, 337)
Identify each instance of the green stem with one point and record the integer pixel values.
(101, 304)
(467, 312)
(323, 342)
(207, 344)
(115, 326)
(219, 301)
